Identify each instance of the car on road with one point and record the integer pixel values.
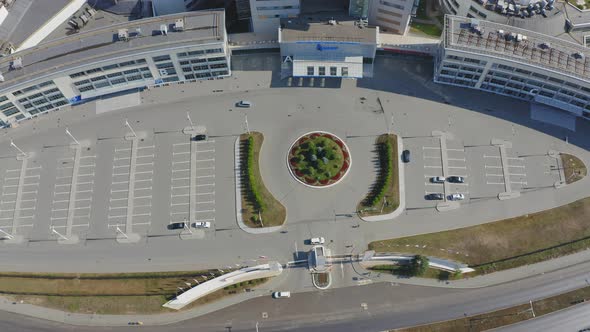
(202, 224)
(317, 240)
(437, 179)
(406, 156)
(435, 197)
(177, 225)
(200, 137)
(281, 295)
(456, 179)
(456, 197)
(244, 103)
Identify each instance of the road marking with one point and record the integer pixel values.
(458, 167)
(451, 149)
(486, 166)
(456, 159)
(428, 166)
(204, 211)
(498, 175)
(517, 166)
(205, 202)
(431, 148)
(502, 183)
(519, 182)
(517, 174)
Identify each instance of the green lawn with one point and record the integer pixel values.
(427, 29)
(274, 213)
(388, 183)
(507, 243)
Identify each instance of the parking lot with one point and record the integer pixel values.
(192, 189)
(487, 170)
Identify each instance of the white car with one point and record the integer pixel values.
(202, 224)
(438, 179)
(457, 197)
(317, 240)
(244, 103)
(281, 295)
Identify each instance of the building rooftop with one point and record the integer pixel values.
(318, 29)
(103, 43)
(516, 44)
(25, 17)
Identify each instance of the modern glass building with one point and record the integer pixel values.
(112, 59)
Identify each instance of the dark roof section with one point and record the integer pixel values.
(318, 28)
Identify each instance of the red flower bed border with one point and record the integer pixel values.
(313, 182)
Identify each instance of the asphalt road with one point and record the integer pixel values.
(387, 306)
(572, 319)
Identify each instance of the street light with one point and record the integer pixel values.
(188, 116)
(16, 147)
(129, 126)
(72, 136)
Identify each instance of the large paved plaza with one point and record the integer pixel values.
(73, 205)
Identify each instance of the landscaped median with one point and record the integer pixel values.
(507, 243)
(384, 197)
(259, 208)
(129, 293)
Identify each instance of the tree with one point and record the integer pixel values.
(418, 265)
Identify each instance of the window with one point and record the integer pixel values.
(10, 112)
(322, 71)
(333, 71)
(127, 63)
(161, 58)
(310, 71)
(109, 67)
(344, 71)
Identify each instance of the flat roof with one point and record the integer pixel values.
(102, 44)
(317, 28)
(27, 16)
(494, 39)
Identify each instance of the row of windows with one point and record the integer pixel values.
(114, 79)
(32, 88)
(108, 67)
(470, 60)
(391, 4)
(322, 71)
(199, 52)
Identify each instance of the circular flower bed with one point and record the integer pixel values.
(319, 159)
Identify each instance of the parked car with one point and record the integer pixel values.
(406, 156)
(202, 224)
(243, 103)
(437, 179)
(435, 197)
(456, 179)
(456, 197)
(281, 295)
(317, 240)
(177, 225)
(200, 137)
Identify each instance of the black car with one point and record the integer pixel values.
(456, 179)
(406, 156)
(435, 197)
(200, 137)
(177, 225)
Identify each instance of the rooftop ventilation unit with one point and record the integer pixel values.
(84, 19)
(179, 25)
(579, 56)
(164, 29)
(123, 34)
(17, 63)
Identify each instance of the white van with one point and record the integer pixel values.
(317, 240)
(281, 295)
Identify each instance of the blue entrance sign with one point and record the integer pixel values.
(321, 47)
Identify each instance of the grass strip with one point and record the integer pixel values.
(427, 29)
(506, 316)
(384, 196)
(507, 243)
(257, 201)
(112, 296)
(573, 168)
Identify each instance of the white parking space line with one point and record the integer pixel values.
(428, 166)
(495, 157)
(516, 166)
(458, 167)
(431, 148)
(487, 166)
(517, 174)
(456, 159)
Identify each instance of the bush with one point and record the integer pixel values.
(386, 163)
(253, 188)
(418, 265)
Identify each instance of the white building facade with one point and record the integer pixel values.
(391, 16)
(266, 14)
(514, 62)
(127, 64)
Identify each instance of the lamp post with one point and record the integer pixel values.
(129, 126)
(16, 147)
(72, 136)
